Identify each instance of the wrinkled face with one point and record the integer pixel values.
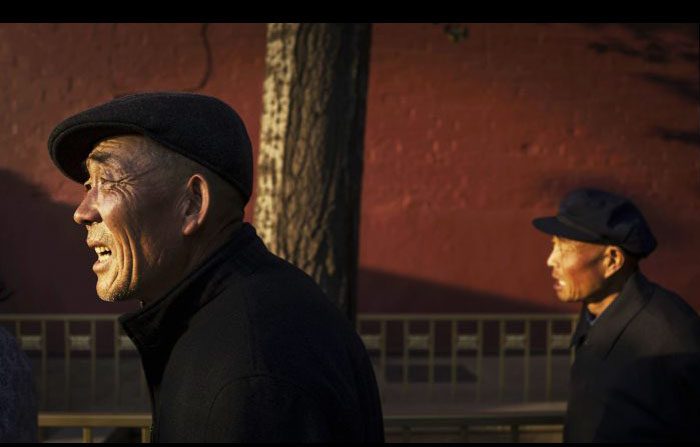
(130, 218)
(577, 269)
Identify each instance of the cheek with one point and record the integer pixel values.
(571, 272)
(146, 232)
(581, 279)
(123, 223)
(140, 222)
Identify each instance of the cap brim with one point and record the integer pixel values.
(71, 146)
(553, 226)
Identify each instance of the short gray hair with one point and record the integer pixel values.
(178, 168)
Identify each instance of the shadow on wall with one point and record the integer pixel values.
(45, 264)
(45, 267)
(645, 42)
(383, 292)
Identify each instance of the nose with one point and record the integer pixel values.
(87, 213)
(551, 259)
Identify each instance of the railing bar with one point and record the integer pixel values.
(453, 357)
(87, 434)
(93, 360)
(66, 369)
(431, 356)
(117, 384)
(44, 365)
(382, 352)
(548, 362)
(501, 358)
(479, 357)
(526, 366)
(405, 355)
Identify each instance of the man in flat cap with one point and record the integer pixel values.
(636, 376)
(236, 344)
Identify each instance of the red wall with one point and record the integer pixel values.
(466, 142)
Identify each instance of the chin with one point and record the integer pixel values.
(106, 298)
(114, 296)
(567, 299)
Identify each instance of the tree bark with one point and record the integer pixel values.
(310, 163)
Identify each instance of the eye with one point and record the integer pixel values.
(107, 179)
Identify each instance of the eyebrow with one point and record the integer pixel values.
(104, 159)
(100, 157)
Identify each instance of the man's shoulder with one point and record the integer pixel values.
(263, 309)
(668, 317)
(273, 285)
(256, 266)
(668, 303)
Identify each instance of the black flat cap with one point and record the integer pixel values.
(600, 217)
(199, 127)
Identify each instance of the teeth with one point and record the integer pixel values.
(101, 251)
(561, 283)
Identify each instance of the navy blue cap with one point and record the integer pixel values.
(600, 217)
(201, 128)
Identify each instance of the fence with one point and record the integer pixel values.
(454, 338)
(514, 423)
(455, 350)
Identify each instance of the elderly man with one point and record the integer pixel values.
(636, 376)
(236, 344)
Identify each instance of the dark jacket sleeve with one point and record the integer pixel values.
(654, 400)
(266, 409)
(18, 410)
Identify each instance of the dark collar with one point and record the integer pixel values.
(155, 328)
(609, 325)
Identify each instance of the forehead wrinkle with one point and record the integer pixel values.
(100, 159)
(103, 153)
(119, 152)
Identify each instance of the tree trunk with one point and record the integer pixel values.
(310, 163)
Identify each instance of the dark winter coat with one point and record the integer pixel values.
(249, 349)
(636, 376)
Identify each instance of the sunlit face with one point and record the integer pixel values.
(577, 269)
(129, 213)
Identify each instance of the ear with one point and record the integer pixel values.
(614, 260)
(195, 206)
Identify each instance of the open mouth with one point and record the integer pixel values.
(558, 283)
(103, 253)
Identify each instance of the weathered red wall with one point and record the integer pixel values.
(466, 142)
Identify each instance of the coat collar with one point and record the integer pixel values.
(155, 328)
(610, 324)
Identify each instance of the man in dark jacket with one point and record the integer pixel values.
(636, 373)
(236, 344)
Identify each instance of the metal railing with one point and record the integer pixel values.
(490, 345)
(487, 346)
(475, 336)
(512, 420)
(89, 421)
(32, 333)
